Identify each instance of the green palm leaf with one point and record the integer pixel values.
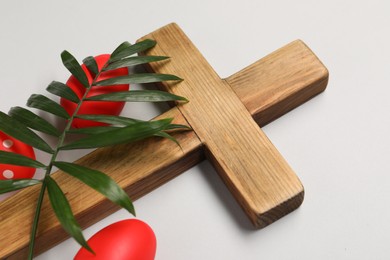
(177, 127)
(64, 213)
(138, 96)
(133, 61)
(19, 131)
(112, 120)
(91, 64)
(18, 159)
(127, 50)
(167, 136)
(137, 79)
(33, 121)
(11, 185)
(99, 182)
(62, 90)
(120, 48)
(74, 67)
(130, 133)
(44, 103)
(92, 130)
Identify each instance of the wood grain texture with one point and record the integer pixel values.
(280, 82)
(258, 176)
(131, 167)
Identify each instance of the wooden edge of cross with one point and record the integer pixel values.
(225, 115)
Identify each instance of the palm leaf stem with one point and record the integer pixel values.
(50, 167)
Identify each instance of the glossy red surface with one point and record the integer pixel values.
(130, 239)
(10, 144)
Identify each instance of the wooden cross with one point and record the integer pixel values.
(225, 115)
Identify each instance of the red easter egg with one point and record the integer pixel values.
(7, 171)
(129, 239)
(95, 107)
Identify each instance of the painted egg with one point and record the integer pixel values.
(7, 171)
(95, 107)
(124, 240)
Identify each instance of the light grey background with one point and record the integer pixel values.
(338, 143)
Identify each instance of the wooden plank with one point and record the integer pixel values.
(19, 208)
(258, 176)
(279, 82)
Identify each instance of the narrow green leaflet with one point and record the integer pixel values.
(99, 182)
(44, 103)
(120, 48)
(18, 159)
(11, 185)
(132, 49)
(62, 90)
(133, 61)
(74, 67)
(177, 126)
(104, 129)
(91, 64)
(19, 131)
(130, 133)
(167, 136)
(137, 79)
(112, 120)
(62, 209)
(92, 130)
(33, 121)
(138, 96)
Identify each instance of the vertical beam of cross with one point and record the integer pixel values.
(255, 172)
